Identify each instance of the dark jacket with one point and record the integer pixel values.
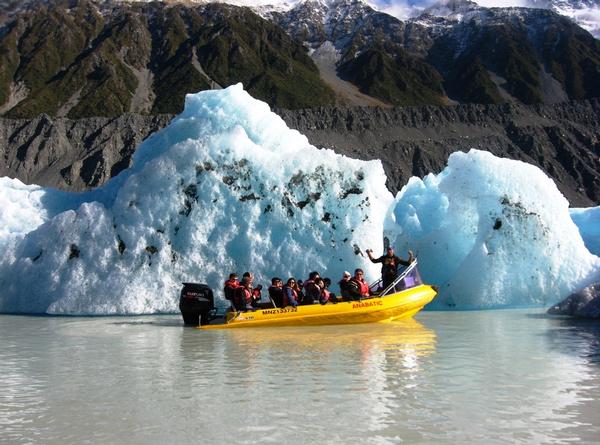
(389, 265)
(276, 294)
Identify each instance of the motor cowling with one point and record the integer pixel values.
(196, 303)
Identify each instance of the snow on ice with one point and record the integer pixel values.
(228, 187)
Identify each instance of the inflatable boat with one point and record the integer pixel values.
(403, 298)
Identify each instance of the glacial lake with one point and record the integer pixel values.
(481, 377)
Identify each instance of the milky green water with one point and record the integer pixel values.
(447, 378)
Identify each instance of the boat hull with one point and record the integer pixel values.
(399, 305)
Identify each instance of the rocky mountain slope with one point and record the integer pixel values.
(454, 52)
(562, 139)
(72, 154)
(83, 58)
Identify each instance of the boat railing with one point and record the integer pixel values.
(410, 277)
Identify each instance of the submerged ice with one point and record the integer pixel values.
(228, 187)
(225, 187)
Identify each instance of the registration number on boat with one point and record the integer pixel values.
(279, 310)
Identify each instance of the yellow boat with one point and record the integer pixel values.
(387, 307)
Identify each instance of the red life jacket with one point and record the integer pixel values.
(242, 297)
(363, 286)
(286, 300)
(245, 294)
(229, 289)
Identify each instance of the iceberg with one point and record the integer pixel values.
(588, 222)
(494, 233)
(225, 187)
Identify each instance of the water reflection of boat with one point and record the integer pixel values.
(390, 305)
(407, 336)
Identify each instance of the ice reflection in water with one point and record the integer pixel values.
(473, 377)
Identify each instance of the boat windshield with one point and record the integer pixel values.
(407, 279)
(412, 279)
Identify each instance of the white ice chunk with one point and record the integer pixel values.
(225, 187)
(588, 222)
(492, 232)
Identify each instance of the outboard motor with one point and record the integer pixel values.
(196, 303)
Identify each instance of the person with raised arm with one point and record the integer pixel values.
(389, 264)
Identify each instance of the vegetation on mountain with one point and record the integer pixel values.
(83, 58)
(71, 60)
(399, 80)
(573, 57)
(512, 54)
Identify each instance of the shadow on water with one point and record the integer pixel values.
(573, 336)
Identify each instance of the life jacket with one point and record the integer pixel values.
(286, 300)
(364, 288)
(242, 297)
(325, 296)
(229, 289)
(360, 285)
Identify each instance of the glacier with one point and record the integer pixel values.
(227, 187)
(494, 232)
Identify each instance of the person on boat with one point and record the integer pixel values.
(389, 264)
(312, 291)
(343, 284)
(358, 288)
(327, 283)
(230, 286)
(299, 287)
(326, 296)
(276, 291)
(246, 296)
(255, 290)
(243, 294)
(290, 293)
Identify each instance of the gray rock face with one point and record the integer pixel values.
(562, 139)
(72, 154)
(584, 304)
